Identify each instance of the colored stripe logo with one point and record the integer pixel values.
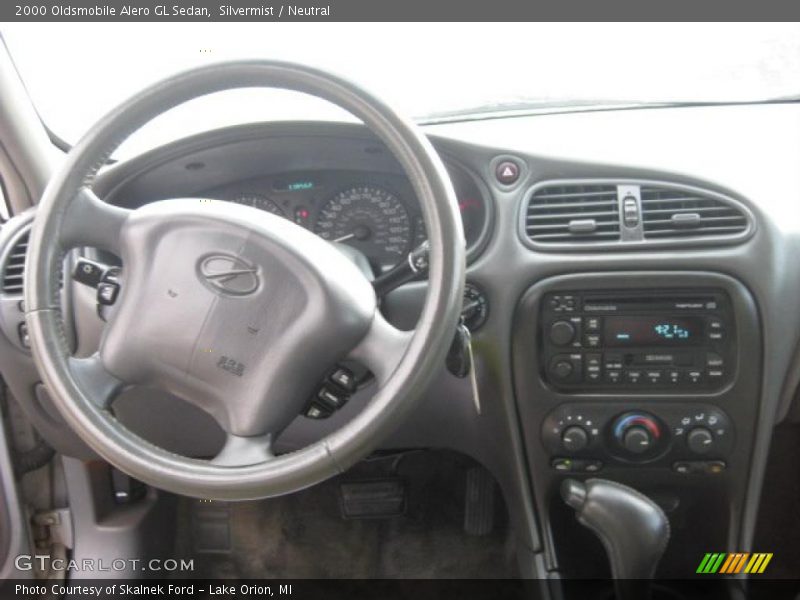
(731, 563)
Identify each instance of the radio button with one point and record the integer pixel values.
(716, 373)
(714, 360)
(673, 376)
(633, 376)
(593, 367)
(654, 376)
(694, 376)
(613, 376)
(591, 340)
(613, 361)
(591, 324)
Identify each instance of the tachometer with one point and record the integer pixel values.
(260, 202)
(369, 218)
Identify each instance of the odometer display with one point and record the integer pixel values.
(369, 218)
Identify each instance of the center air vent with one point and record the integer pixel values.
(14, 267)
(677, 213)
(620, 214)
(573, 213)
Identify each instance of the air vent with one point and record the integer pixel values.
(675, 213)
(573, 213)
(14, 268)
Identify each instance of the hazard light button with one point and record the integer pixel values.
(507, 172)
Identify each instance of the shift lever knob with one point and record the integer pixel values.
(633, 529)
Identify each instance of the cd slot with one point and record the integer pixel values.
(625, 305)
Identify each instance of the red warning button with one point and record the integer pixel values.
(507, 172)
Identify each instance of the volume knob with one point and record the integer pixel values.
(562, 333)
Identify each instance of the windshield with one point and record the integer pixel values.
(76, 72)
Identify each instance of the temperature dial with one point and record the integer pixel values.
(638, 434)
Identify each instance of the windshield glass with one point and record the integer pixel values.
(76, 72)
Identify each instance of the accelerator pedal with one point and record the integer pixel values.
(479, 502)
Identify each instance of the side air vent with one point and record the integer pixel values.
(14, 267)
(675, 213)
(573, 213)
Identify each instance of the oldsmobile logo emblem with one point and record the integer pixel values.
(229, 274)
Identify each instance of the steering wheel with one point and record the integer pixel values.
(233, 309)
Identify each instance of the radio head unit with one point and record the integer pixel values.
(660, 340)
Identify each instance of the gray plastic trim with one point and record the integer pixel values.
(634, 241)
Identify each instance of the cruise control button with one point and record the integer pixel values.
(331, 399)
(107, 293)
(315, 411)
(344, 378)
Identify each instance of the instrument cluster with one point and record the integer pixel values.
(377, 213)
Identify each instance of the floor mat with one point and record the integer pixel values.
(304, 536)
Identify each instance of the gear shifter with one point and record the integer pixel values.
(633, 529)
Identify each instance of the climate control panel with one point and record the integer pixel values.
(687, 438)
(640, 341)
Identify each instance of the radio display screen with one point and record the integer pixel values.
(654, 331)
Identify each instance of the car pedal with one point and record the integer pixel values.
(211, 527)
(373, 499)
(479, 502)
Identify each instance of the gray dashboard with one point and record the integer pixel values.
(747, 153)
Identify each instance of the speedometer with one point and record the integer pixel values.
(260, 202)
(369, 218)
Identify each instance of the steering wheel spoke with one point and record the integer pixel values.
(91, 222)
(240, 451)
(98, 384)
(382, 348)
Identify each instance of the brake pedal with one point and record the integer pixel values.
(479, 502)
(373, 499)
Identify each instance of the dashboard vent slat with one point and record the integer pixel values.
(14, 267)
(674, 213)
(580, 213)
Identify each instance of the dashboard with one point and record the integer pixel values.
(649, 338)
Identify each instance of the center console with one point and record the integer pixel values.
(649, 379)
